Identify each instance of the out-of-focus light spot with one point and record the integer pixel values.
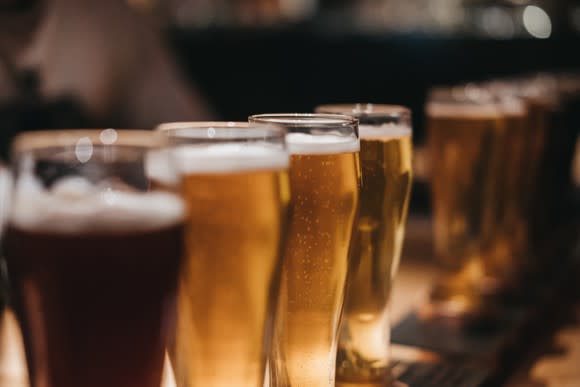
(537, 22)
(210, 132)
(84, 149)
(575, 18)
(108, 136)
(497, 23)
(168, 379)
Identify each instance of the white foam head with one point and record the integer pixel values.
(467, 111)
(158, 167)
(228, 157)
(305, 143)
(390, 130)
(74, 205)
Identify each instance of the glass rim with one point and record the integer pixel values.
(306, 120)
(43, 139)
(471, 93)
(222, 130)
(370, 109)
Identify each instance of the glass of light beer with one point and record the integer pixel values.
(235, 184)
(93, 255)
(386, 157)
(530, 194)
(507, 246)
(324, 181)
(465, 135)
(507, 251)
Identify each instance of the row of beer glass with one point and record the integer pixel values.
(223, 244)
(500, 156)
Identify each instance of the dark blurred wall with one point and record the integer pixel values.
(252, 71)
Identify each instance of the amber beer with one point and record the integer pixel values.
(507, 247)
(537, 178)
(463, 138)
(385, 153)
(324, 181)
(237, 195)
(93, 261)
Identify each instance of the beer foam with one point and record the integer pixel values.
(158, 167)
(304, 143)
(513, 109)
(228, 157)
(384, 131)
(74, 205)
(464, 111)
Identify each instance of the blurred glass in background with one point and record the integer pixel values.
(501, 155)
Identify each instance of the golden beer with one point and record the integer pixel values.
(464, 139)
(534, 204)
(237, 196)
(324, 181)
(386, 157)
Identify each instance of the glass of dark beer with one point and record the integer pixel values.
(93, 254)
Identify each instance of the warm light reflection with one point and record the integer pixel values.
(13, 371)
(84, 149)
(537, 22)
(168, 379)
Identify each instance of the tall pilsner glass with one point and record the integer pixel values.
(385, 153)
(324, 181)
(93, 254)
(235, 184)
(464, 140)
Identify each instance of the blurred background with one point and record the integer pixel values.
(136, 63)
(139, 62)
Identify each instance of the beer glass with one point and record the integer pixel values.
(537, 197)
(504, 260)
(385, 153)
(235, 184)
(324, 181)
(464, 141)
(93, 256)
